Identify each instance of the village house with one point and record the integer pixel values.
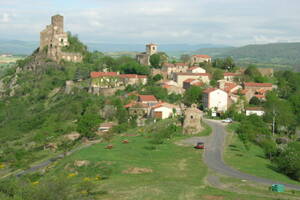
(165, 110)
(196, 59)
(170, 69)
(144, 57)
(105, 79)
(133, 79)
(215, 99)
(259, 111)
(149, 100)
(231, 77)
(192, 82)
(258, 90)
(181, 77)
(172, 89)
(138, 109)
(196, 69)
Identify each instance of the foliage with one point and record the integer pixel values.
(75, 45)
(288, 160)
(185, 58)
(155, 61)
(193, 95)
(133, 68)
(225, 64)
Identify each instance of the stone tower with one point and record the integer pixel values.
(57, 21)
(54, 39)
(151, 49)
(192, 120)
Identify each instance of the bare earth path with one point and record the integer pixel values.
(214, 159)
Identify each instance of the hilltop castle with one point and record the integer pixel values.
(54, 39)
(144, 58)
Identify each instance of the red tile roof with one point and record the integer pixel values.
(181, 64)
(260, 96)
(194, 67)
(198, 84)
(102, 74)
(168, 65)
(193, 74)
(229, 86)
(209, 90)
(202, 56)
(189, 80)
(252, 84)
(255, 108)
(231, 74)
(147, 98)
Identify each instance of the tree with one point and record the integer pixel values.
(88, 124)
(254, 101)
(193, 95)
(155, 60)
(185, 58)
(279, 112)
(288, 160)
(218, 75)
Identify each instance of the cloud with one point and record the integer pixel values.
(233, 22)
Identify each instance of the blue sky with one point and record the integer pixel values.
(230, 22)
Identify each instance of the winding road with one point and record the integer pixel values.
(214, 159)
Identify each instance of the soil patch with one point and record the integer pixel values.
(136, 170)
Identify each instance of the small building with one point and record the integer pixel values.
(229, 76)
(171, 68)
(192, 120)
(196, 69)
(192, 82)
(165, 110)
(105, 79)
(181, 77)
(138, 109)
(133, 79)
(259, 111)
(106, 126)
(195, 59)
(215, 99)
(144, 57)
(149, 100)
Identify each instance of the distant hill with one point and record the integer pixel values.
(18, 47)
(282, 55)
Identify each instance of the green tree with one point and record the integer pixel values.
(185, 58)
(254, 101)
(87, 124)
(193, 95)
(155, 60)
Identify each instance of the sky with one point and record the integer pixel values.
(227, 22)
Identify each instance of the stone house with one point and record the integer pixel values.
(231, 77)
(144, 57)
(165, 110)
(181, 77)
(259, 111)
(258, 89)
(192, 82)
(170, 69)
(149, 100)
(195, 59)
(172, 89)
(53, 38)
(133, 79)
(215, 99)
(105, 79)
(138, 109)
(192, 120)
(196, 69)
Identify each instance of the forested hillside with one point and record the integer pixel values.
(282, 55)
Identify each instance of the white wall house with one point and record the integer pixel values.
(215, 99)
(255, 111)
(165, 110)
(181, 77)
(196, 69)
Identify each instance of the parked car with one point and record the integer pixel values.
(200, 145)
(227, 120)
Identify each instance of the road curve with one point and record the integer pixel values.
(213, 157)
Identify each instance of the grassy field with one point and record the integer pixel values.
(252, 161)
(168, 171)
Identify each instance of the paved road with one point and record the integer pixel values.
(214, 160)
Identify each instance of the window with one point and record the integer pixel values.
(192, 117)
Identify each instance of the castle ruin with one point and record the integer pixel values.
(144, 57)
(192, 120)
(54, 39)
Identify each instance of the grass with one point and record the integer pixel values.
(252, 161)
(177, 172)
